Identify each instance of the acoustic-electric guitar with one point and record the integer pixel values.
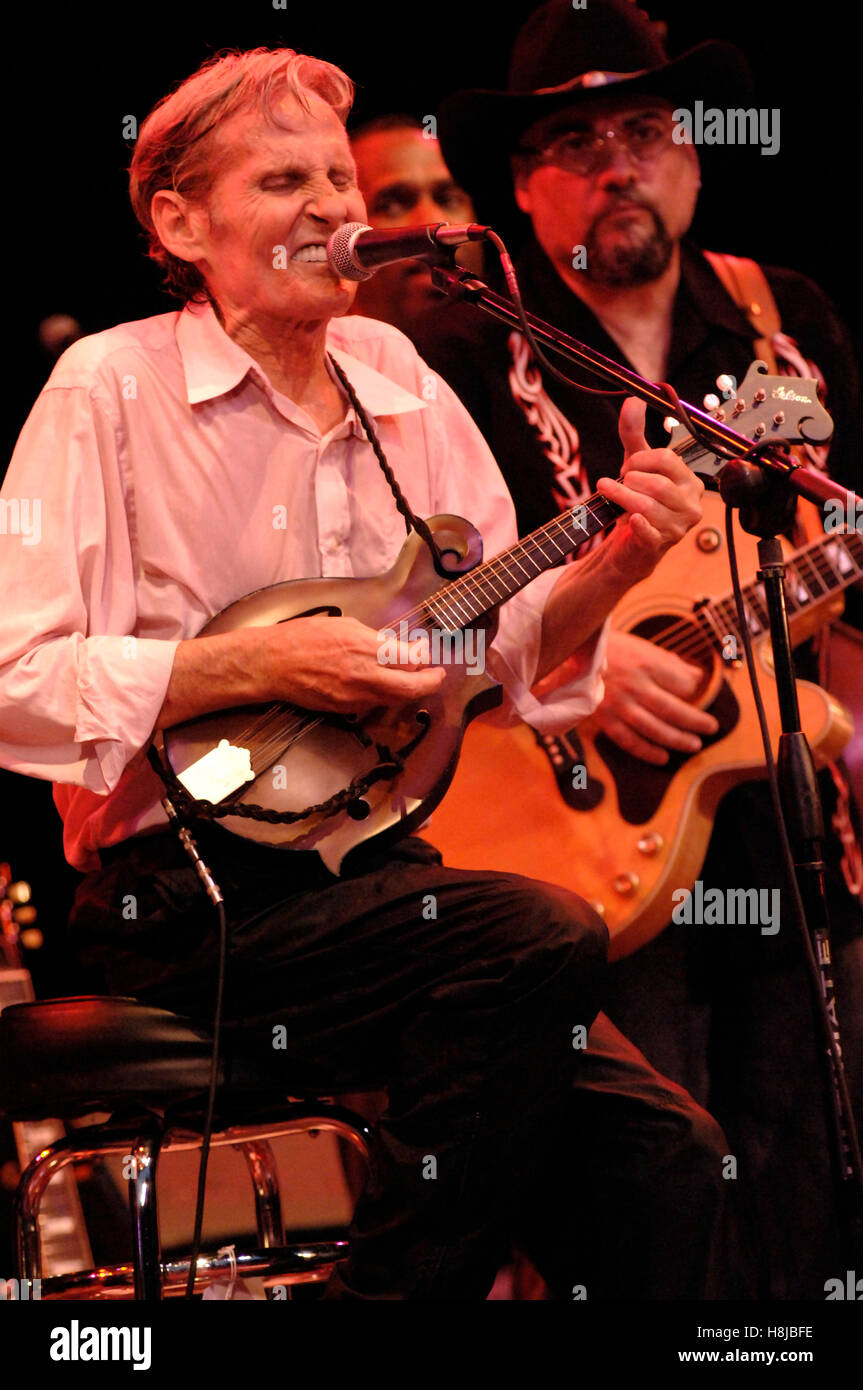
(283, 758)
(577, 810)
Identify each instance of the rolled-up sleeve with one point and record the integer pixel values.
(79, 692)
(469, 483)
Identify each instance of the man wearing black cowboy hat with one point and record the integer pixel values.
(592, 131)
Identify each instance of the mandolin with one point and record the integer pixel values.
(284, 759)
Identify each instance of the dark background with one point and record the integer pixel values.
(75, 246)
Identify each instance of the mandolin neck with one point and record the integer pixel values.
(472, 596)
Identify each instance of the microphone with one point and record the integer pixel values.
(356, 251)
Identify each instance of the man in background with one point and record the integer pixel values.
(405, 183)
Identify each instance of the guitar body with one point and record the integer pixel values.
(331, 753)
(625, 834)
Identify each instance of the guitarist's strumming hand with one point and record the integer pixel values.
(647, 709)
(660, 495)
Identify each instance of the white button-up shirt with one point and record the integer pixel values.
(160, 477)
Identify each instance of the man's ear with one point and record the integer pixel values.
(181, 226)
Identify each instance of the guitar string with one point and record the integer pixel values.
(828, 579)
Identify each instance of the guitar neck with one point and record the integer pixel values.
(824, 567)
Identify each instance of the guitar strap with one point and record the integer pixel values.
(748, 286)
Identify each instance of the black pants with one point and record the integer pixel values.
(467, 996)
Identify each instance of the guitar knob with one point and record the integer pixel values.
(711, 402)
(626, 884)
(650, 843)
(708, 539)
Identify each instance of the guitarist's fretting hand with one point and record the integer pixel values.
(646, 709)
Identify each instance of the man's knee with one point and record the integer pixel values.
(540, 921)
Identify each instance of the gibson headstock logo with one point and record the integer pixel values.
(785, 393)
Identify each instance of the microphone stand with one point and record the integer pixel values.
(762, 491)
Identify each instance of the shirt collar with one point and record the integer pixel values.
(214, 365)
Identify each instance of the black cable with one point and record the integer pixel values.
(211, 1102)
(672, 401)
(515, 295)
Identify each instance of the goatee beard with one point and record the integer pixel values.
(627, 264)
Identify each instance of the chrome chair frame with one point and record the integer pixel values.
(144, 1139)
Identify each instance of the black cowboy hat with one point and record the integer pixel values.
(563, 56)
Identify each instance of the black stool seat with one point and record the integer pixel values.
(66, 1057)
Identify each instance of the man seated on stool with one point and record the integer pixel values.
(189, 458)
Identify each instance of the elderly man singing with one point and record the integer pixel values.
(187, 459)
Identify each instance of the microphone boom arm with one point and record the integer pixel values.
(462, 285)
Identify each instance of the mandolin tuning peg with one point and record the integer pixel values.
(727, 385)
(670, 423)
(18, 892)
(711, 402)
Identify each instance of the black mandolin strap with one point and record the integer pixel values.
(410, 517)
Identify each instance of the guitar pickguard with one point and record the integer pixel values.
(642, 786)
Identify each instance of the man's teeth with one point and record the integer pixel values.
(310, 253)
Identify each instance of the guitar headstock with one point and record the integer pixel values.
(762, 407)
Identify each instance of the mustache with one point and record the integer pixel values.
(616, 201)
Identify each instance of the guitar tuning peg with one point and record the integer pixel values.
(18, 892)
(711, 402)
(727, 385)
(670, 423)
